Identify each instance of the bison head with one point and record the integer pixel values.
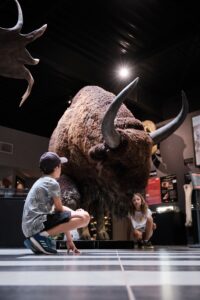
(108, 149)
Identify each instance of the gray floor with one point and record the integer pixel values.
(165, 273)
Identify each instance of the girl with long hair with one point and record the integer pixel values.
(141, 221)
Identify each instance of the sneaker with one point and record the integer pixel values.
(147, 245)
(53, 243)
(43, 244)
(138, 244)
(29, 245)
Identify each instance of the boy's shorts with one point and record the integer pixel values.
(57, 218)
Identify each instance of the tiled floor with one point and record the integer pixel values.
(167, 273)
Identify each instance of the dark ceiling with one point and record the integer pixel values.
(84, 44)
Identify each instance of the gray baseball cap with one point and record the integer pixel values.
(50, 160)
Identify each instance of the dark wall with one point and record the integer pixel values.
(170, 229)
(11, 218)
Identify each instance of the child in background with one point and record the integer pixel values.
(141, 222)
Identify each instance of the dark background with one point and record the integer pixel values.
(84, 44)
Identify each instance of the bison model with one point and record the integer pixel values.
(109, 152)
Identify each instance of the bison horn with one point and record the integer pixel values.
(19, 24)
(165, 131)
(110, 135)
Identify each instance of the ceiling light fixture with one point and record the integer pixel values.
(124, 72)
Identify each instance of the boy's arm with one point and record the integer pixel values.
(70, 244)
(68, 236)
(58, 206)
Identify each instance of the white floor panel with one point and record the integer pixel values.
(59, 263)
(100, 262)
(161, 263)
(162, 278)
(62, 278)
(94, 278)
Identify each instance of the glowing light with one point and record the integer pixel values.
(124, 72)
(162, 209)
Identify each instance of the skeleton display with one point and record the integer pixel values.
(13, 52)
(109, 152)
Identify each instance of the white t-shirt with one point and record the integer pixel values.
(139, 220)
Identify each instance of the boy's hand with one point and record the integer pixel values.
(72, 247)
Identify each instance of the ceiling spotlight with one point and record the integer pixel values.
(124, 72)
(124, 51)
